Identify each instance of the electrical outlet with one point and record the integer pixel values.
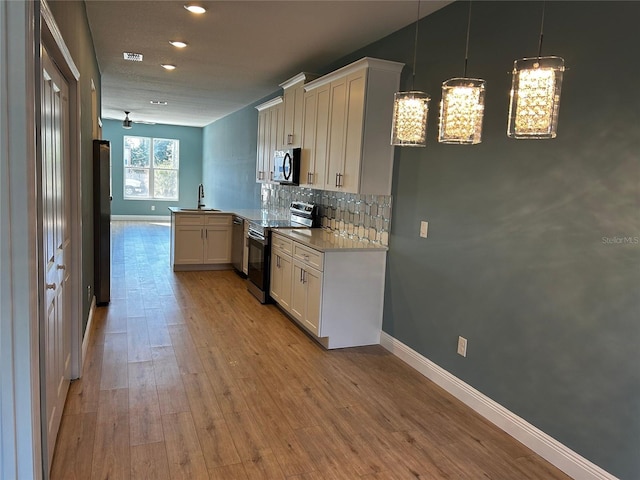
(153, 207)
(424, 228)
(462, 346)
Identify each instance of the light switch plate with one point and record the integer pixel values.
(424, 228)
(462, 346)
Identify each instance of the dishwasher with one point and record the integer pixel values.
(237, 247)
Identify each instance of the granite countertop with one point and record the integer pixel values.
(247, 214)
(198, 211)
(326, 240)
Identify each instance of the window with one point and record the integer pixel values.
(151, 168)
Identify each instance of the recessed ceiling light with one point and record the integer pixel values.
(132, 57)
(168, 66)
(177, 43)
(158, 102)
(193, 8)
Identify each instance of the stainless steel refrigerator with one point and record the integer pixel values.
(102, 221)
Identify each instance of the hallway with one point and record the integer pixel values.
(188, 377)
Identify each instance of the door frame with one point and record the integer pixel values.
(51, 39)
(23, 26)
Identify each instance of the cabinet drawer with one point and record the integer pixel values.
(309, 256)
(281, 243)
(188, 219)
(218, 219)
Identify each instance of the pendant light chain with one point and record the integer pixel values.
(466, 51)
(415, 50)
(544, 4)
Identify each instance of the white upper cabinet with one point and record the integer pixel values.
(270, 132)
(355, 148)
(315, 134)
(294, 109)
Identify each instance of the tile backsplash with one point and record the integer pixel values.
(361, 217)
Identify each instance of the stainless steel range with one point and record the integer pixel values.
(302, 215)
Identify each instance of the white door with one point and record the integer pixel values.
(56, 328)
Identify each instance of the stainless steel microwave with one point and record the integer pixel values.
(286, 166)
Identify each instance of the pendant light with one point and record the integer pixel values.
(126, 123)
(462, 105)
(410, 110)
(535, 95)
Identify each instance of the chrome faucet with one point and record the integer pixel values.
(200, 196)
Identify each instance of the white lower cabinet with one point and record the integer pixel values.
(281, 278)
(306, 296)
(188, 245)
(336, 295)
(217, 244)
(201, 241)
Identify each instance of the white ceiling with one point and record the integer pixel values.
(239, 51)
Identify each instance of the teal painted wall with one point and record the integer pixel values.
(521, 257)
(190, 175)
(229, 160)
(71, 18)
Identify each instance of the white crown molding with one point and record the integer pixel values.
(544, 445)
(269, 103)
(302, 77)
(366, 62)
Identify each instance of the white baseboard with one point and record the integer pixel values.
(547, 447)
(141, 218)
(87, 333)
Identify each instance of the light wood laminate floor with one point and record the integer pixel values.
(187, 376)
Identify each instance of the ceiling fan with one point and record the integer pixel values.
(128, 123)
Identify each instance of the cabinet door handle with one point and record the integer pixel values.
(337, 179)
(61, 267)
(51, 286)
(304, 276)
(206, 233)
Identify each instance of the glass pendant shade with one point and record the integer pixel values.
(410, 111)
(535, 97)
(462, 111)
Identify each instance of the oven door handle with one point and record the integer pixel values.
(255, 237)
